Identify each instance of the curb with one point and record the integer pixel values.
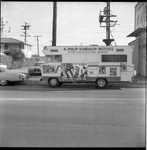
(121, 85)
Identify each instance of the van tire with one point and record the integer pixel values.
(101, 83)
(53, 82)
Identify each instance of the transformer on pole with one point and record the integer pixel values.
(104, 19)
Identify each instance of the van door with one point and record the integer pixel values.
(126, 72)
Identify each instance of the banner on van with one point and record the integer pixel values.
(87, 49)
(73, 71)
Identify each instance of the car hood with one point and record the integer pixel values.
(34, 67)
(15, 72)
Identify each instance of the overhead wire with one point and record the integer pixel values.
(113, 38)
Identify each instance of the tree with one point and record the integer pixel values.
(35, 57)
(16, 54)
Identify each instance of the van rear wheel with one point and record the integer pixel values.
(101, 83)
(53, 82)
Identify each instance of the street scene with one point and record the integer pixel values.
(76, 86)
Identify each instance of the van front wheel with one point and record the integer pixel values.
(101, 83)
(53, 82)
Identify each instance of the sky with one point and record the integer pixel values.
(77, 22)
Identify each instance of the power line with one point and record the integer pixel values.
(113, 38)
(25, 28)
(37, 43)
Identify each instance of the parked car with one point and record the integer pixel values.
(3, 66)
(10, 76)
(36, 69)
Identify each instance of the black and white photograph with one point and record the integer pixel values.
(73, 74)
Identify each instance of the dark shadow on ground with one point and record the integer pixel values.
(64, 87)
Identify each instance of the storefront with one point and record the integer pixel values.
(139, 54)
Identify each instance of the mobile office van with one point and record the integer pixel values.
(83, 64)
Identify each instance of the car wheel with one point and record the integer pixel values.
(101, 83)
(4, 82)
(53, 82)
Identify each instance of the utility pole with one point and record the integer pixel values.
(25, 28)
(105, 18)
(37, 43)
(54, 24)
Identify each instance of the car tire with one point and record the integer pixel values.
(4, 82)
(53, 82)
(101, 83)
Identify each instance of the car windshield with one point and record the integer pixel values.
(38, 64)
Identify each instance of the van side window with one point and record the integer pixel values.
(114, 58)
(54, 58)
(58, 58)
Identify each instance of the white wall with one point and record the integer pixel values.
(27, 51)
(142, 54)
(135, 54)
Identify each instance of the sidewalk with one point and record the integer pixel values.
(139, 82)
(140, 78)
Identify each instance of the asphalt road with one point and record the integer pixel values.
(38, 116)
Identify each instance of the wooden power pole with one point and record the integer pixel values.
(25, 28)
(54, 24)
(37, 43)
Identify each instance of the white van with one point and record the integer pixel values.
(96, 64)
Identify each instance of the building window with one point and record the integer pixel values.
(5, 46)
(114, 58)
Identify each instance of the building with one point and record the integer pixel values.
(27, 50)
(11, 43)
(139, 53)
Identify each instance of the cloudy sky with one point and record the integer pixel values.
(77, 22)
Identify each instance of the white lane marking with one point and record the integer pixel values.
(89, 100)
(75, 89)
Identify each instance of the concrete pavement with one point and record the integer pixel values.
(75, 122)
(35, 115)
